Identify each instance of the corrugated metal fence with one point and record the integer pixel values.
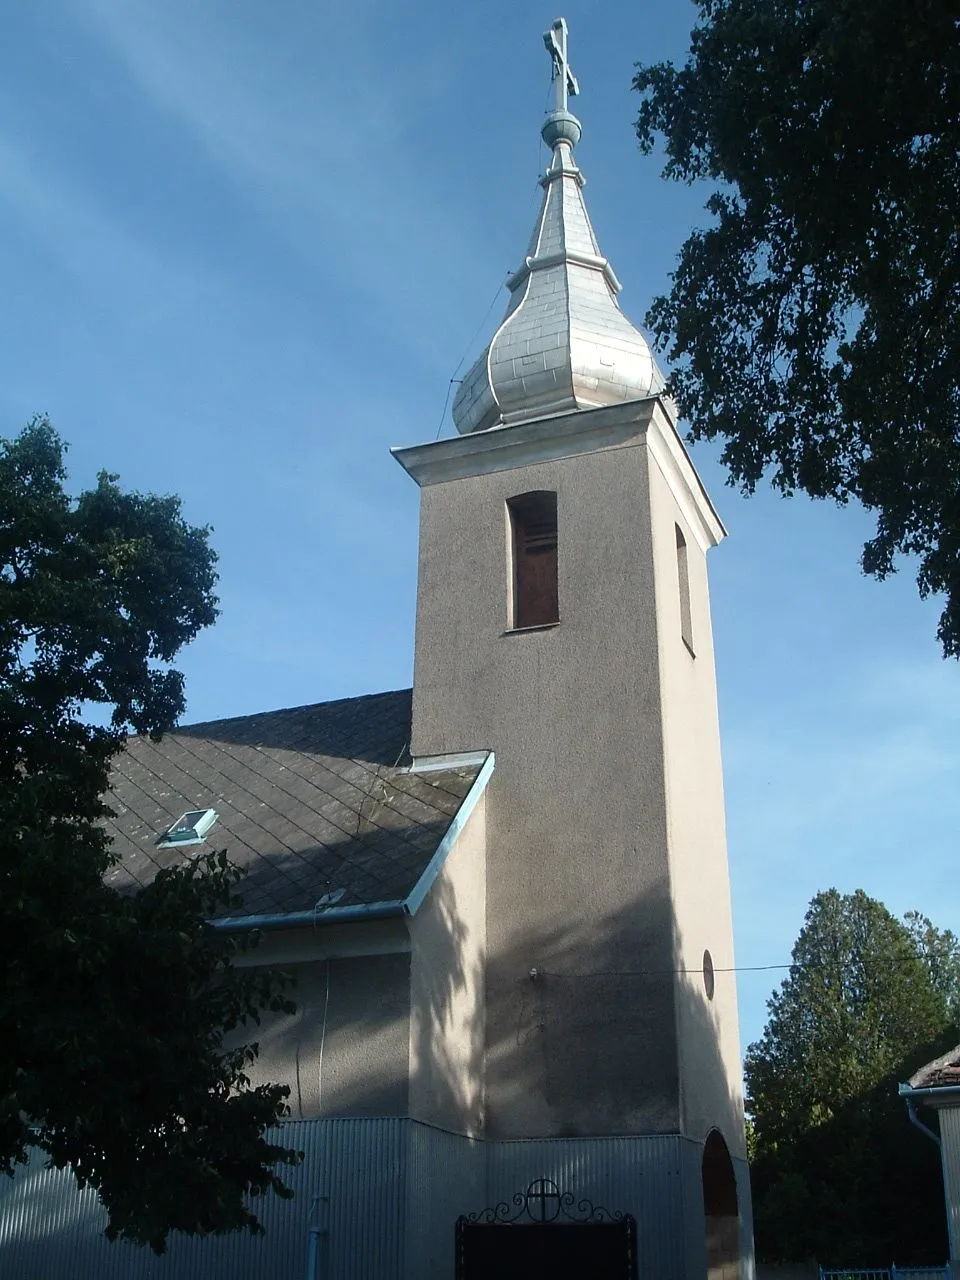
(886, 1273)
(351, 1177)
(384, 1195)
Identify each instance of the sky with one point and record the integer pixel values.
(244, 248)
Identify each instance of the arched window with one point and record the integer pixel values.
(533, 536)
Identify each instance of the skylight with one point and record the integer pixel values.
(190, 828)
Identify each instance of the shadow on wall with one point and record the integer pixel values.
(447, 1003)
(585, 1018)
(583, 1038)
(583, 1035)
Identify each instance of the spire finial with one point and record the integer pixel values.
(564, 81)
(564, 344)
(560, 125)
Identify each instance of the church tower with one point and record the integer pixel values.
(563, 622)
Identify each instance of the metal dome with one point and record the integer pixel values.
(564, 343)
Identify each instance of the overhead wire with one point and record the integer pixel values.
(654, 973)
(454, 380)
(466, 352)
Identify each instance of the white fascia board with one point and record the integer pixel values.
(564, 435)
(668, 451)
(423, 886)
(458, 760)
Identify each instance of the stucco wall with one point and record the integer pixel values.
(577, 875)
(709, 1039)
(346, 1049)
(448, 953)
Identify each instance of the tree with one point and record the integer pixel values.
(113, 1008)
(838, 1172)
(940, 951)
(814, 326)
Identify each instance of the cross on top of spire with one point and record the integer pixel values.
(564, 81)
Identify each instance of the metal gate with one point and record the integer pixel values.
(546, 1233)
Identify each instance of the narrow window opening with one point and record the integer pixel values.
(533, 524)
(683, 576)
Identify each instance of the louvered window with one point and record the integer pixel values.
(533, 523)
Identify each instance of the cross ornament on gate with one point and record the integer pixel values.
(564, 81)
(543, 1195)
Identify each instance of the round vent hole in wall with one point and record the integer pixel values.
(708, 978)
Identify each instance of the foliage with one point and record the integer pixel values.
(112, 1006)
(940, 951)
(838, 1172)
(814, 326)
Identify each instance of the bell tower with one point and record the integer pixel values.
(563, 621)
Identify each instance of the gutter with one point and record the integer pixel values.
(948, 1092)
(323, 915)
(930, 1094)
(945, 1091)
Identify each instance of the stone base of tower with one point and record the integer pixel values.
(380, 1199)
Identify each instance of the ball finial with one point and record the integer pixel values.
(561, 126)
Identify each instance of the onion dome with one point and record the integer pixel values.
(564, 344)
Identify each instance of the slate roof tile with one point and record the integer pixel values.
(942, 1072)
(309, 800)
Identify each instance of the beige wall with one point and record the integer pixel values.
(577, 874)
(390, 1014)
(709, 1039)
(603, 814)
(346, 1049)
(448, 954)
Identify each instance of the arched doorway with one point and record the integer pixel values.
(720, 1210)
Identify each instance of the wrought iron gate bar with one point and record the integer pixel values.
(542, 1203)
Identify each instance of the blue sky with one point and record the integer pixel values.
(243, 249)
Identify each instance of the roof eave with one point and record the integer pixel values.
(314, 918)
(934, 1095)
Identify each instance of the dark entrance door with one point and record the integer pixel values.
(550, 1236)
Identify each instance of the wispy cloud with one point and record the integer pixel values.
(321, 151)
(79, 233)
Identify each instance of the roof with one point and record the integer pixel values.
(311, 801)
(943, 1072)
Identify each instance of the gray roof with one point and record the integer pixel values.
(942, 1072)
(310, 801)
(564, 344)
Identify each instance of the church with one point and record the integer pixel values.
(504, 893)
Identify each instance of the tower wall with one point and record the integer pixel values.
(708, 1032)
(578, 865)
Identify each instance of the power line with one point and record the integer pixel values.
(659, 973)
(454, 380)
